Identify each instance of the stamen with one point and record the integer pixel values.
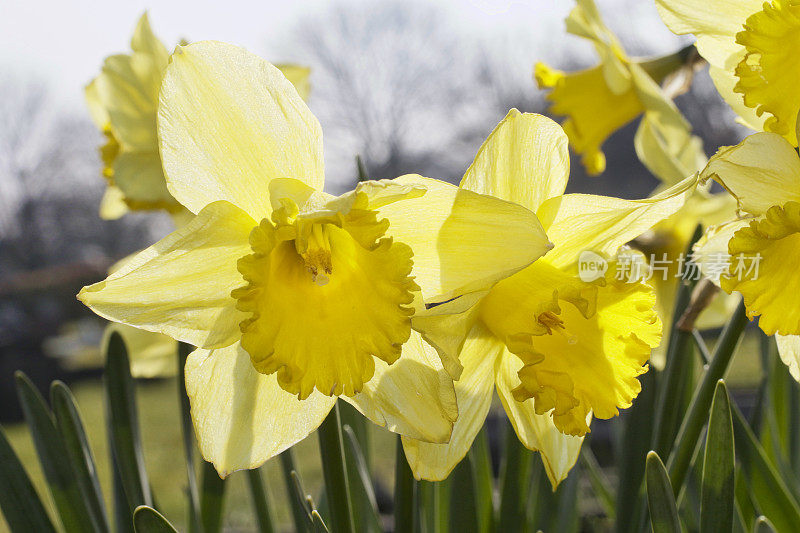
(554, 324)
(317, 256)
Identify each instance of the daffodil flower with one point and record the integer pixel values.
(751, 46)
(294, 296)
(600, 100)
(556, 348)
(122, 102)
(763, 173)
(665, 247)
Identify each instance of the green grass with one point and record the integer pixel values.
(159, 418)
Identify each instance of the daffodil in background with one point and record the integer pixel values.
(600, 100)
(295, 297)
(751, 46)
(123, 101)
(557, 349)
(763, 174)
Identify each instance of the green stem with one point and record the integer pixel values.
(188, 439)
(696, 416)
(661, 67)
(515, 477)
(334, 470)
(404, 492)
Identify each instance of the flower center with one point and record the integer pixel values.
(326, 293)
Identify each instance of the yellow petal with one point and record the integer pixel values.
(461, 239)
(537, 432)
(181, 285)
(789, 350)
(767, 74)
(112, 206)
(434, 462)
(761, 171)
(578, 222)
(525, 160)
(140, 178)
(447, 325)
(583, 344)
(592, 109)
(299, 77)
(152, 355)
(241, 417)
(229, 122)
(324, 299)
(414, 396)
(144, 41)
(664, 142)
(711, 250)
(763, 263)
(714, 23)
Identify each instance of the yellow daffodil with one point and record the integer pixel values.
(664, 246)
(122, 101)
(294, 296)
(556, 348)
(600, 100)
(762, 246)
(751, 46)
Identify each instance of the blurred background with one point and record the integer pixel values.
(409, 86)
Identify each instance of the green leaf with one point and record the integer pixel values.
(434, 501)
(695, 419)
(21, 506)
(367, 517)
(763, 525)
(770, 493)
(148, 520)
(660, 499)
(260, 502)
(187, 432)
(334, 470)
(480, 463)
(62, 482)
(600, 484)
(212, 498)
(717, 493)
(70, 428)
(405, 492)
(515, 479)
(124, 424)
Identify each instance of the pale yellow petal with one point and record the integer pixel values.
(414, 396)
(112, 206)
(152, 355)
(241, 417)
(447, 325)
(789, 350)
(461, 239)
(711, 250)
(181, 285)
(525, 160)
(229, 122)
(714, 23)
(725, 80)
(578, 222)
(761, 171)
(537, 432)
(140, 178)
(144, 41)
(434, 462)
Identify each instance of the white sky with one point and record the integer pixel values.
(64, 42)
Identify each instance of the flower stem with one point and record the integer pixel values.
(337, 487)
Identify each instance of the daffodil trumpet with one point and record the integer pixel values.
(295, 297)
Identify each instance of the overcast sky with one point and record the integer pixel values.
(64, 42)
